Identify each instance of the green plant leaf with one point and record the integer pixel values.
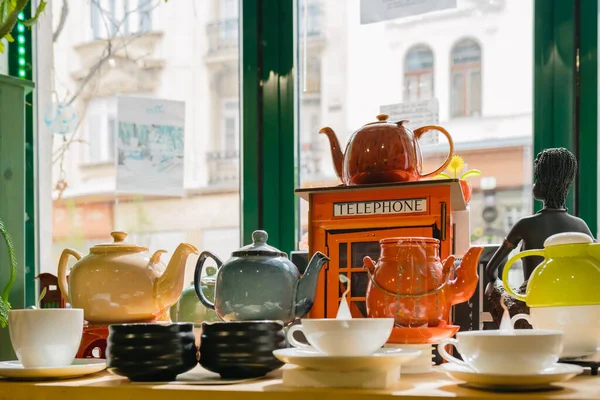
(38, 12)
(442, 175)
(4, 303)
(470, 173)
(9, 37)
(1, 46)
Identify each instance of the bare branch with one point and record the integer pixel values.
(110, 49)
(107, 53)
(64, 13)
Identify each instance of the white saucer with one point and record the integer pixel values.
(315, 360)
(556, 373)
(79, 367)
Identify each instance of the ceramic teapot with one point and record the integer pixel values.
(383, 152)
(568, 275)
(259, 282)
(189, 308)
(120, 283)
(412, 285)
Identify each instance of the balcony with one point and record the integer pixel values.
(223, 168)
(223, 38)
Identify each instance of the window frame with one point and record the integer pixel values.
(466, 70)
(419, 74)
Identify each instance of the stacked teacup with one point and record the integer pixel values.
(343, 352)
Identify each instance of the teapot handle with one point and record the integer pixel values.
(62, 272)
(510, 263)
(420, 131)
(198, 275)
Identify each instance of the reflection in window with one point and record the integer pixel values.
(418, 74)
(466, 79)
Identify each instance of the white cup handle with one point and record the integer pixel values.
(293, 341)
(517, 317)
(442, 350)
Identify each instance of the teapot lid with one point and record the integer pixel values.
(383, 119)
(259, 247)
(119, 245)
(567, 238)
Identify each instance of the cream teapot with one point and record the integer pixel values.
(120, 282)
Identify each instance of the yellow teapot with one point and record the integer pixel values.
(568, 275)
(120, 282)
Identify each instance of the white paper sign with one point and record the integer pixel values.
(418, 114)
(400, 206)
(381, 10)
(150, 146)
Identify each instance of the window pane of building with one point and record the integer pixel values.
(154, 150)
(466, 60)
(418, 74)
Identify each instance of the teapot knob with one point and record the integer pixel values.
(260, 236)
(382, 117)
(118, 236)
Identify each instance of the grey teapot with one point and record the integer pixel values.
(259, 282)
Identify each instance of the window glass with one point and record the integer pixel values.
(466, 70)
(418, 74)
(151, 144)
(458, 58)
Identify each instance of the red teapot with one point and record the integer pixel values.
(383, 152)
(411, 284)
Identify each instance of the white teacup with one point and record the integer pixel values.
(45, 338)
(521, 352)
(343, 337)
(580, 326)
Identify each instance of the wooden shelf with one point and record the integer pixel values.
(435, 385)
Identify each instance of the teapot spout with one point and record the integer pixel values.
(306, 288)
(463, 286)
(336, 151)
(169, 286)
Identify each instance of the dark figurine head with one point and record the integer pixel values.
(554, 171)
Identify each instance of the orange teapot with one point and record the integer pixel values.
(411, 284)
(383, 152)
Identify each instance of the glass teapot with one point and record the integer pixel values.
(383, 152)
